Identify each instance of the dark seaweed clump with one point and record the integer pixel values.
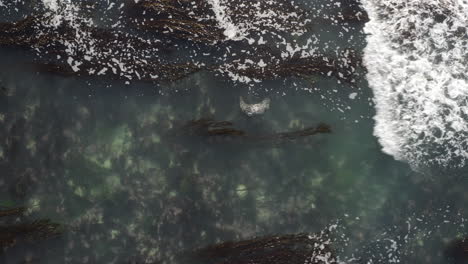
(153, 29)
(13, 232)
(457, 251)
(224, 131)
(282, 249)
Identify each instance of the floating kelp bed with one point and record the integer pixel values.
(75, 46)
(13, 232)
(180, 19)
(343, 67)
(105, 47)
(282, 249)
(144, 63)
(223, 132)
(197, 20)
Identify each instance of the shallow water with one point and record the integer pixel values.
(103, 158)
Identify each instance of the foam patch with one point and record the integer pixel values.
(416, 57)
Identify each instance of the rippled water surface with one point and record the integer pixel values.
(95, 132)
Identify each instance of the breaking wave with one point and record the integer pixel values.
(416, 57)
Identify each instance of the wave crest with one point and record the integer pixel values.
(416, 57)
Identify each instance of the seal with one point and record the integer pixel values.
(254, 109)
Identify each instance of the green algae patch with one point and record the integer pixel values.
(82, 170)
(97, 159)
(241, 191)
(110, 142)
(120, 141)
(110, 185)
(91, 180)
(145, 165)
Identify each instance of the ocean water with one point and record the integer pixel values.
(100, 147)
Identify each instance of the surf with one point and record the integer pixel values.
(416, 57)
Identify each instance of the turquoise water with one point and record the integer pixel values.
(107, 160)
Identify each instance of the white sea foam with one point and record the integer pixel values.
(51, 4)
(240, 21)
(63, 11)
(417, 62)
(82, 46)
(231, 31)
